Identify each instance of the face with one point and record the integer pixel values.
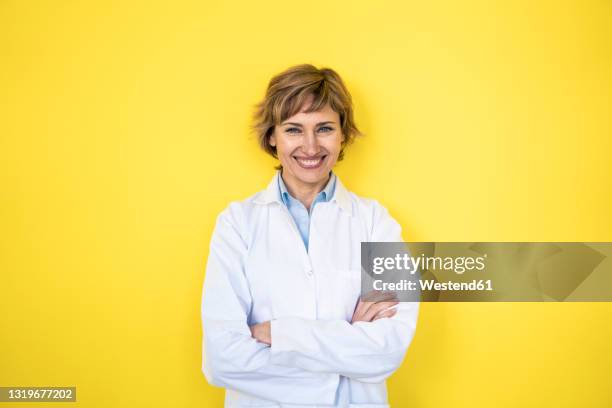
(308, 145)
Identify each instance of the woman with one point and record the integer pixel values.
(282, 319)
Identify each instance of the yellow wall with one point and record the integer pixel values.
(123, 133)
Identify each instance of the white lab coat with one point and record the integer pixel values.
(258, 270)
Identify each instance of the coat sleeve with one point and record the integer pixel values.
(363, 351)
(231, 358)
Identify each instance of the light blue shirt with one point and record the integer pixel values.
(298, 212)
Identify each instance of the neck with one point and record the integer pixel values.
(304, 192)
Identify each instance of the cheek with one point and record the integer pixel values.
(335, 145)
(285, 149)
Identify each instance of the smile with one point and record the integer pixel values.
(310, 163)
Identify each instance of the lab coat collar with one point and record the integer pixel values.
(271, 195)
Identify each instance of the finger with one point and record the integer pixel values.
(365, 311)
(380, 306)
(360, 310)
(377, 308)
(363, 306)
(388, 297)
(380, 296)
(386, 313)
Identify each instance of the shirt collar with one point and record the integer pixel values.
(271, 194)
(324, 195)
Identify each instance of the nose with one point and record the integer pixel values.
(311, 144)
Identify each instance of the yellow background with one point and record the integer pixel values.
(124, 132)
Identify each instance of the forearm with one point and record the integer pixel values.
(362, 350)
(234, 360)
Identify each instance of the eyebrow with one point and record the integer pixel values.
(299, 124)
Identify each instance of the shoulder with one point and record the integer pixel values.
(358, 206)
(237, 212)
(244, 209)
(366, 206)
(376, 218)
(240, 215)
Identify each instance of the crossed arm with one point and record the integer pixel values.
(306, 355)
(364, 312)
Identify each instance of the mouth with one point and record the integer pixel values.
(310, 162)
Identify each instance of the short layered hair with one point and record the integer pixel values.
(287, 93)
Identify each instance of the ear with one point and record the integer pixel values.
(272, 140)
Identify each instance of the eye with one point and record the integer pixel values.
(292, 130)
(329, 129)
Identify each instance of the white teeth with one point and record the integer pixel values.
(309, 163)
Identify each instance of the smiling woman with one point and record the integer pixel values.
(308, 147)
(283, 321)
(306, 121)
(304, 86)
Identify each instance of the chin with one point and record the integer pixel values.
(311, 176)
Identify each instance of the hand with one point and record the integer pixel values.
(370, 311)
(262, 332)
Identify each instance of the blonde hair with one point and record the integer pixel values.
(286, 94)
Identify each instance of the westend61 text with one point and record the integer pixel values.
(476, 285)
